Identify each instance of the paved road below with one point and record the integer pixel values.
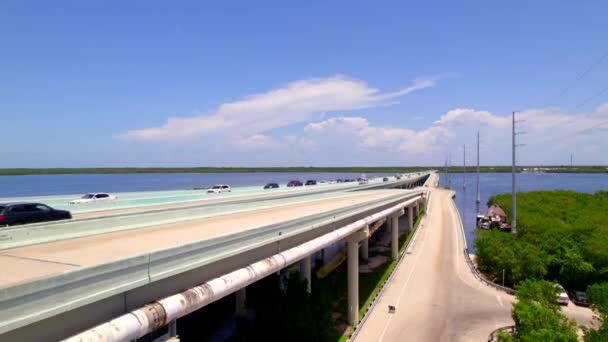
(436, 296)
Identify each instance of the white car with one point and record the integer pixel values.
(217, 189)
(562, 296)
(94, 197)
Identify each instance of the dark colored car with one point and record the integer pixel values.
(311, 182)
(294, 183)
(339, 180)
(385, 179)
(23, 213)
(579, 298)
(271, 186)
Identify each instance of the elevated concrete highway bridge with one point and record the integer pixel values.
(60, 279)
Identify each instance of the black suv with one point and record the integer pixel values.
(311, 182)
(22, 213)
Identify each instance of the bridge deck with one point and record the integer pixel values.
(25, 264)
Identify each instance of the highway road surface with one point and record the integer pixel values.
(25, 264)
(436, 296)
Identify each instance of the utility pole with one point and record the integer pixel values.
(570, 160)
(464, 166)
(449, 176)
(513, 172)
(478, 189)
(445, 173)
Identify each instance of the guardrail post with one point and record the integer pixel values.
(353, 279)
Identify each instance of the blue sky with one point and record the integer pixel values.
(88, 84)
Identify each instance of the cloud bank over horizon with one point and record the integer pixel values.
(295, 102)
(244, 132)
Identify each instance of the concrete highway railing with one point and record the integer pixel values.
(11, 237)
(26, 303)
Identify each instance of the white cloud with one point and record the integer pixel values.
(296, 102)
(551, 135)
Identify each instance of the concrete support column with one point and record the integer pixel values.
(395, 237)
(172, 329)
(307, 272)
(365, 249)
(353, 281)
(410, 217)
(241, 307)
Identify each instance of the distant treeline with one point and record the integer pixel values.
(561, 236)
(357, 169)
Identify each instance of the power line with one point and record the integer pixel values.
(581, 76)
(601, 92)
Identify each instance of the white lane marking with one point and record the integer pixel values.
(499, 300)
(388, 322)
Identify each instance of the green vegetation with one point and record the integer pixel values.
(356, 169)
(537, 315)
(561, 236)
(598, 295)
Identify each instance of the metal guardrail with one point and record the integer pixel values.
(471, 264)
(27, 303)
(12, 237)
(482, 277)
(511, 330)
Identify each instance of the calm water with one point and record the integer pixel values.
(491, 184)
(40, 185)
(497, 183)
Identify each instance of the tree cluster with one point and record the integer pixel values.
(561, 236)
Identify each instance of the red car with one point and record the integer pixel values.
(294, 183)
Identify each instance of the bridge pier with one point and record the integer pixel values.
(410, 217)
(353, 281)
(241, 305)
(395, 237)
(365, 249)
(306, 272)
(352, 262)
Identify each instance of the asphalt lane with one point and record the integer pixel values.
(436, 296)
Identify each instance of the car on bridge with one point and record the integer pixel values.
(217, 189)
(18, 213)
(294, 183)
(271, 186)
(311, 182)
(93, 197)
